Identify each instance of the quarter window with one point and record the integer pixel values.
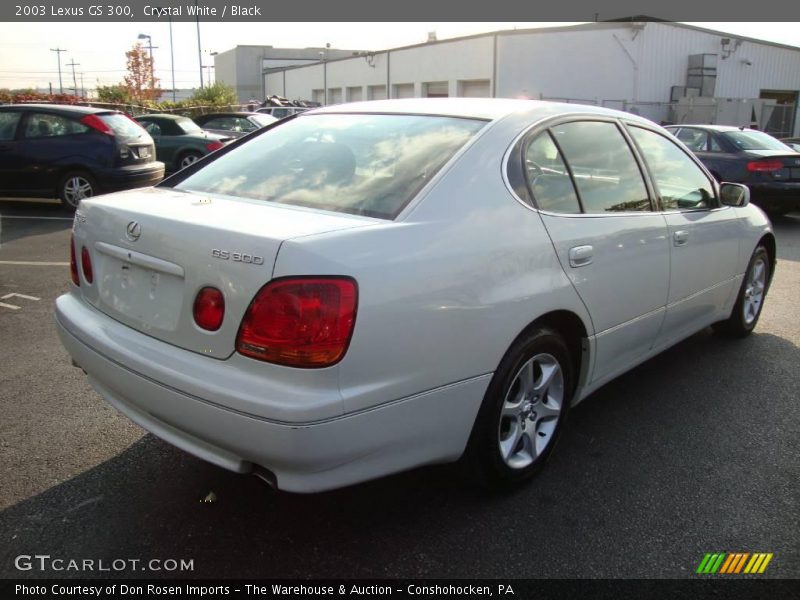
(8, 124)
(696, 140)
(548, 178)
(681, 183)
(605, 171)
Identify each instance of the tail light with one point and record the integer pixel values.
(302, 322)
(214, 146)
(764, 165)
(97, 124)
(209, 308)
(86, 265)
(73, 263)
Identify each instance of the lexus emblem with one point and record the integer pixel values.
(133, 231)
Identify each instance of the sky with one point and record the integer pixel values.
(99, 48)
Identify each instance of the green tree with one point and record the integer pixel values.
(115, 94)
(216, 94)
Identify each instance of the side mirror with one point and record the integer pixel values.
(734, 194)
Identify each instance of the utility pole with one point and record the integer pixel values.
(171, 57)
(58, 52)
(83, 89)
(73, 64)
(199, 51)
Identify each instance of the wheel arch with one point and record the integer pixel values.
(768, 241)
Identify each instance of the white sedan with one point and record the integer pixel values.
(375, 286)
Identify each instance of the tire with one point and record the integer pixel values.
(750, 300)
(521, 417)
(74, 186)
(188, 158)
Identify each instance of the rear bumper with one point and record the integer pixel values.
(429, 427)
(776, 196)
(126, 178)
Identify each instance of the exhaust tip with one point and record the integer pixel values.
(265, 475)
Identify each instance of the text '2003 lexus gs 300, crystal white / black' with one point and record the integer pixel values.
(365, 288)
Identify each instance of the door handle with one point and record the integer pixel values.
(580, 256)
(680, 238)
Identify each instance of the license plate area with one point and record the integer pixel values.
(146, 297)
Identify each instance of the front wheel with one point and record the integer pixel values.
(523, 410)
(751, 297)
(189, 158)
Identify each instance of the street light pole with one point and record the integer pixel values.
(199, 51)
(150, 47)
(58, 52)
(171, 58)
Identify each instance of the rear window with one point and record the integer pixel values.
(369, 165)
(264, 120)
(121, 125)
(754, 140)
(188, 126)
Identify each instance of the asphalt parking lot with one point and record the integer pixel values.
(695, 451)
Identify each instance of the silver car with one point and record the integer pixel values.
(375, 286)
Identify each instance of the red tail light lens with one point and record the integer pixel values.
(73, 263)
(97, 124)
(300, 322)
(209, 308)
(764, 165)
(86, 264)
(214, 146)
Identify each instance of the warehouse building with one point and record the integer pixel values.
(668, 72)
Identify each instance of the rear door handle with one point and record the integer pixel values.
(580, 256)
(680, 238)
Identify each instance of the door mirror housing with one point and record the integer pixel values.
(734, 194)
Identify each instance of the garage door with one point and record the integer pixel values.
(403, 90)
(478, 88)
(435, 89)
(376, 92)
(354, 94)
(334, 95)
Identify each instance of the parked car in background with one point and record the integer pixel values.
(793, 143)
(234, 124)
(180, 141)
(281, 112)
(380, 285)
(72, 152)
(769, 167)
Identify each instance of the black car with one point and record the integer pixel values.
(235, 124)
(770, 168)
(72, 152)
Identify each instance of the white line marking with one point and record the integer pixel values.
(41, 218)
(11, 295)
(11, 306)
(28, 263)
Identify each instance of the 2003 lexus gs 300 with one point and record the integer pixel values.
(369, 287)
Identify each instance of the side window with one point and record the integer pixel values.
(680, 182)
(695, 139)
(715, 147)
(46, 125)
(548, 178)
(244, 125)
(220, 123)
(8, 125)
(606, 174)
(151, 127)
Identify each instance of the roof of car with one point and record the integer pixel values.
(84, 110)
(228, 114)
(477, 108)
(711, 127)
(162, 116)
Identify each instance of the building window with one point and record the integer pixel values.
(435, 89)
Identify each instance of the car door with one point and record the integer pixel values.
(10, 161)
(704, 236)
(596, 205)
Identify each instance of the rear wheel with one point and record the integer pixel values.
(751, 297)
(188, 158)
(523, 411)
(74, 187)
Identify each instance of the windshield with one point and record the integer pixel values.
(188, 126)
(122, 125)
(354, 163)
(755, 140)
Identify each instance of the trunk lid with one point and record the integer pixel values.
(152, 250)
(791, 163)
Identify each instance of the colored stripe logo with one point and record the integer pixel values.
(734, 563)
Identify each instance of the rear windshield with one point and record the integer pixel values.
(188, 126)
(755, 140)
(121, 125)
(264, 120)
(369, 165)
